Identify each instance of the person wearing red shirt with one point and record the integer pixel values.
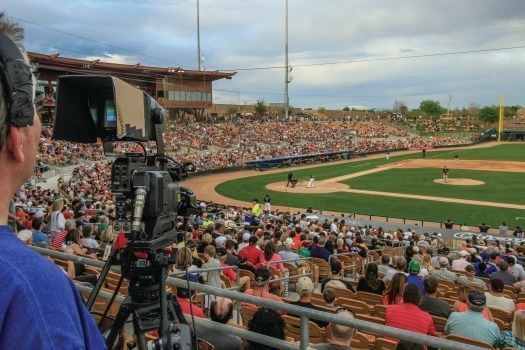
(244, 281)
(408, 316)
(252, 253)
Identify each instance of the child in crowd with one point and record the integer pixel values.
(211, 278)
(329, 298)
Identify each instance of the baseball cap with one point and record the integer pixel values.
(288, 241)
(252, 240)
(497, 285)
(246, 236)
(464, 253)
(473, 251)
(372, 269)
(485, 256)
(305, 287)
(443, 261)
(79, 214)
(39, 214)
(102, 226)
(221, 252)
(24, 235)
(477, 297)
(220, 240)
(414, 266)
(68, 215)
(261, 276)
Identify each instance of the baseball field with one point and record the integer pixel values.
(484, 185)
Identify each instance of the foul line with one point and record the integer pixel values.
(437, 199)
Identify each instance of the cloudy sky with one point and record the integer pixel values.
(343, 52)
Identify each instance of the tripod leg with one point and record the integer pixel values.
(103, 274)
(123, 313)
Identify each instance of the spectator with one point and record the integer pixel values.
(515, 269)
(503, 274)
(266, 322)
(469, 279)
(394, 292)
(319, 251)
(341, 335)
(481, 271)
(462, 262)
(270, 258)
(211, 278)
(305, 288)
(407, 315)
(516, 338)
(371, 283)
(58, 220)
(401, 264)
(495, 297)
(41, 308)
(221, 311)
(244, 281)
(443, 271)
(384, 267)
(336, 280)
(461, 304)
(414, 267)
(288, 254)
(261, 288)
(430, 302)
(39, 238)
(87, 241)
(471, 323)
(26, 236)
(329, 298)
(252, 253)
(184, 298)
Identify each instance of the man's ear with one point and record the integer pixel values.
(14, 144)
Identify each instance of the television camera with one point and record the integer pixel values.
(149, 200)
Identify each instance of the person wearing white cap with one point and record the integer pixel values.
(26, 236)
(305, 288)
(245, 238)
(462, 262)
(288, 254)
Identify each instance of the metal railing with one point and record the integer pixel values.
(305, 314)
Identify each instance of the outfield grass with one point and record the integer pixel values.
(500, 187)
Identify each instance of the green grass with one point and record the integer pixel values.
(512, 152)
(500, 187)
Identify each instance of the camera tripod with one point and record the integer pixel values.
(150, 306)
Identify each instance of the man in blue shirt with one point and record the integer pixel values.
(471, 323)
(319, 251)
(414, 267)
(40, 307)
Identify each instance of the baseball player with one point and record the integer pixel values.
(311, 182)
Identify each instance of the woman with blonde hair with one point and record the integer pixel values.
(515, 339)
(461, 304)
(426, 263)
(394, 292)
(57, 219)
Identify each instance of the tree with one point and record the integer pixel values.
(430, 107)
(321, 110)
(260, 107)
(404, 110)
(473, 108)
(346, 109)
(398, 106)
(489, 114)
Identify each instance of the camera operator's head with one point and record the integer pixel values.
(19, 123)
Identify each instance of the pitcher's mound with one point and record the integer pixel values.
(301, 187)
(460, 182)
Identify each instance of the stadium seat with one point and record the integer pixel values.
(469, 341)
(293, 329)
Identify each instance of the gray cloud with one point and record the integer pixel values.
(239, 34)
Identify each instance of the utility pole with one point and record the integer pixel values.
(448, 106)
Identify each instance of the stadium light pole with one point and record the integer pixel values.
(198, 39)
(286, 80)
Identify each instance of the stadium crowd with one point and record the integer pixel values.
(414, 275)
(222, 145)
